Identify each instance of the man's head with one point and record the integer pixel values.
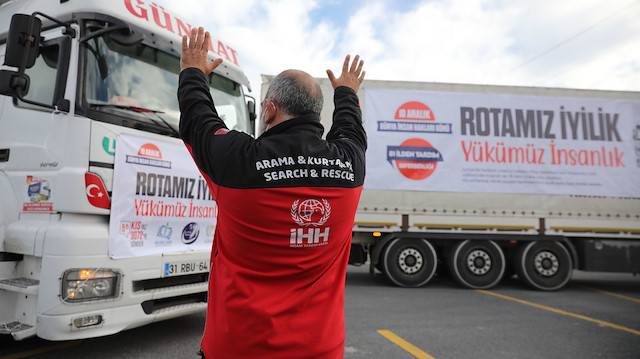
(292, 93)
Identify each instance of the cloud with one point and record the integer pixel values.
(576, 43)
(363, 34)
(437, 41)
(270, 36)
(570, 43)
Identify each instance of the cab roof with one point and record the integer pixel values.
(163, 26)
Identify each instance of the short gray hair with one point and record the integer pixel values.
(295, 96)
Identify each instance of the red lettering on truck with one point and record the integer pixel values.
(167, 21)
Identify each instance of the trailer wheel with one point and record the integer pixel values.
(409, 262)
(477, 264)
(544, 265)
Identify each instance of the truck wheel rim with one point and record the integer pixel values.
(410, 260)
(479, 262)
(546, 263)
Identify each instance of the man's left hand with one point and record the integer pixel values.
(194, 52)
(350, 77)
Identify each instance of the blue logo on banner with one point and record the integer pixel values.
(190, 233)
(165, 231)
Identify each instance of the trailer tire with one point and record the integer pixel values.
(477, 264)
(409, 262)
(544, 265)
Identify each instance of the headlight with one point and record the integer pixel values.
(89, 284)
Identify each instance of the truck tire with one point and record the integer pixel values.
(477, 264)
(409, 262)
(544, 265)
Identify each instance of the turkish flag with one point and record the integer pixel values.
(96, 193)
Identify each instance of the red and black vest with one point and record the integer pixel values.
(286, 201)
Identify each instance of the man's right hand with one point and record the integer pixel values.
(194, 51)
(351, 76)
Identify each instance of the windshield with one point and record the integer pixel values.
(140, 83)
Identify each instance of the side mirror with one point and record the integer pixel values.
(251, 107)
(23, 44)
(12, 84)
(23, 41)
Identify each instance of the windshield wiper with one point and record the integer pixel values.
(142, 110)
(125, 107)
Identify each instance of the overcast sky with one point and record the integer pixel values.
(592, 44)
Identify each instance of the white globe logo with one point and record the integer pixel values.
(310, 212)
(309, 208)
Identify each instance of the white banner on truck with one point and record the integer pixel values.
(500, 143)
(160, 202)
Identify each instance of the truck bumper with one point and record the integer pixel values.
(111, 321)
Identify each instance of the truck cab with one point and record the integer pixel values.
(77, 74)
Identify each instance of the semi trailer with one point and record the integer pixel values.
(484, 181)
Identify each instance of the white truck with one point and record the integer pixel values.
(78, 257)
(482, 181)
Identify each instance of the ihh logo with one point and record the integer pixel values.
(312, 235)
(310, 213)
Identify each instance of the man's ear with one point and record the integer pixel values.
(270, 113)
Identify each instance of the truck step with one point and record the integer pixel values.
(20, 285)
(18, 330)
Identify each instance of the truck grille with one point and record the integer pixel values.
(151, 306)
(169, 282)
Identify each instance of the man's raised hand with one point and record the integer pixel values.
(194, 52)
(351, 76)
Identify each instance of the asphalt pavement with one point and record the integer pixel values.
(595, 316)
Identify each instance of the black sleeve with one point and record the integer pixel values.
(197, 112)
(347, 118)
(203, 131)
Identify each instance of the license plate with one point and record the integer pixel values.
(171, 269)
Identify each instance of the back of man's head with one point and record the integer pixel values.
(296, 93)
